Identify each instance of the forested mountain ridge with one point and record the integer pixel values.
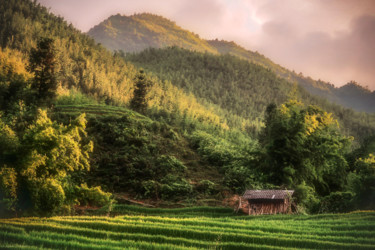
(146, 156)
(78, 121)
(141, 31)
(239, 87)
(87, 66)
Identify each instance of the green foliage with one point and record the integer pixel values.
(186, 228)
(93, 196)
(362, 182)
(239, 89)
(47, 196)
(304, 145)
(52, 151)
(157, 156)
(173, 187)
(337, 202)
(8, 140)
(142, 31)
(139, 102)
(216, 151)
(151, 188)
(234, 159)
(169, 164)
(8, 189)
(88, 67)
(206, 187)
(42, 65)
(170, 187)
(74, 97)
(305, 198)
(135, 154)
(37, 182)
(239, 178)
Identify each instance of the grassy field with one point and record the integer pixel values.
(190, 228)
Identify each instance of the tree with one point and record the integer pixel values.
(303, 145)
(362, 182)
(42, 63)
(40, 182)
(139, 102)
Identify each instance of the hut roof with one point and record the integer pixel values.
(267, 194)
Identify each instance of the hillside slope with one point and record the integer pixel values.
(87, 66)
(197, 139)
(190, 228)
(239, 87)
(176, 152)
(138, 32)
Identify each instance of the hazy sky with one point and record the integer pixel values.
(332, 40)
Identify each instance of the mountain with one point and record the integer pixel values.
(351, 93)
(240, 88)
(197, 142)
(141, 31)
(129, 148)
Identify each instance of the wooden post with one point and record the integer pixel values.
(239, 204)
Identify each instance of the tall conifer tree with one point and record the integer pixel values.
(139, 102)
(42, 63)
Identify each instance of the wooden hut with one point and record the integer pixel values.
(268, 201)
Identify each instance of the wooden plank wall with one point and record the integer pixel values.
(257, 208)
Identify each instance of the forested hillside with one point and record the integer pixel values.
(141, 31)
(80, 72)
(79, 122)
(239, 87)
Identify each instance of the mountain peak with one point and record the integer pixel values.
(356, 87)
(144, 30)
(140, 31)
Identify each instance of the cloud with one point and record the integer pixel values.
(330, 40)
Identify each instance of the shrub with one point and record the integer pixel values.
(49, 198)
(238, 178)
(74, 97)
(166, 164)
(151, 188)
(306, 198)
(337, 202)
(362, 182)
(93, 196)
(206, 187)
(8, 189)
(173, 187)
(215, 151)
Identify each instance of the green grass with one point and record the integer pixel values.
(93, 110)
(190, 228)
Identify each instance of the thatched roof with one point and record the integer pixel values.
(267, 194)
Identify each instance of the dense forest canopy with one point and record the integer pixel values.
(142, 31)
(78, 122)
(241, 89)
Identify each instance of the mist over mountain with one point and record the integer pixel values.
(140, 31)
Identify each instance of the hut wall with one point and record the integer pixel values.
(257, 207)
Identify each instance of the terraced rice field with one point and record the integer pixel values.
(93, 110)
(190, 228)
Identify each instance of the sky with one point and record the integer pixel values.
(331, 40)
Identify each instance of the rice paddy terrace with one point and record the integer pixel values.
(190, 228)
